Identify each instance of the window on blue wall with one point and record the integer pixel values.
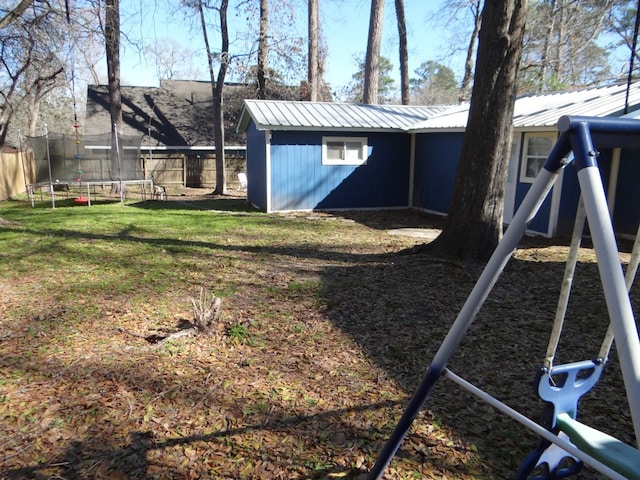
(344, 150)
(537, 147)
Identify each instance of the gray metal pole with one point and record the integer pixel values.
(615, 288)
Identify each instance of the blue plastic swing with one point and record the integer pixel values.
(562, 387)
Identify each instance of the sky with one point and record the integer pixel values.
(345, 25)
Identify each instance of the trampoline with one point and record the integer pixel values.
(78, 162)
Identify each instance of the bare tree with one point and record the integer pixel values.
(372, 58)
(286, 44)
(474, 224)
(313, 80)
(263, 49)
(31, 62)
(172, 60)
(39, 88)
(14, 13)
(404, 52)
(475, 7)
(459, 15)
(217, 85)
(112, 46)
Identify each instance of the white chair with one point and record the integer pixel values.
(242, 181)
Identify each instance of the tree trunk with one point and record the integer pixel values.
(561, 47)
(372, 60)
(468, 64)
(112, 44)
(217, 85)
(263, 48)
(312, 60)
(404, 52)
(218, 101)
(35, 101)
(474, 224)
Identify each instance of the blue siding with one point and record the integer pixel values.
(571, 193)
(539, 223)
(626, 214)
(436, 164)
(256, 167)
(301, 182)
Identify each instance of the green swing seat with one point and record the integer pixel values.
(617, 455)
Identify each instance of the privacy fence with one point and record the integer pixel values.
(192, 169)
(17, 170)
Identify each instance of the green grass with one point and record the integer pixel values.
(141, 248)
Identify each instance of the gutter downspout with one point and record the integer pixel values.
(267, 158)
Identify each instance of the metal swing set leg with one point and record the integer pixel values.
(577, 134)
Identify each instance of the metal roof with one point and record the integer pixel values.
(530, 111)
(290, 115)
(538, 111)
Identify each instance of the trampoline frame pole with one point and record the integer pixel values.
(53, 196)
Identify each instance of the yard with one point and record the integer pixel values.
(327, 327)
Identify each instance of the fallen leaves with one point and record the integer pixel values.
(336, 332)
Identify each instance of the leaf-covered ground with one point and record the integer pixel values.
(329, 330)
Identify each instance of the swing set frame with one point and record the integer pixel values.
(580, 135)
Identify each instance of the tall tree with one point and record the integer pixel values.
(263, 49)
(435, 84)
(354, 91)
(475, 7)
(404, 52)
(474, 223)
(620, 23)
(217, 87)
(313, 80)
(171, 60)
(459, 15)
(372, 58)
(112, 44)
(561, 44)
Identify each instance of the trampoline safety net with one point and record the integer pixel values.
(86, 158)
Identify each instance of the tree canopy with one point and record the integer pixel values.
(434, 83)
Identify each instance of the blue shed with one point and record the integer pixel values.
(439, 142)
(306, 156)
(332, 156)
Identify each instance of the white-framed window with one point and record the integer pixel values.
(344, 150)
(537, 147)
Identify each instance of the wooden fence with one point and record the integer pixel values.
(166, 169)
(190, 170)
(16, 172)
